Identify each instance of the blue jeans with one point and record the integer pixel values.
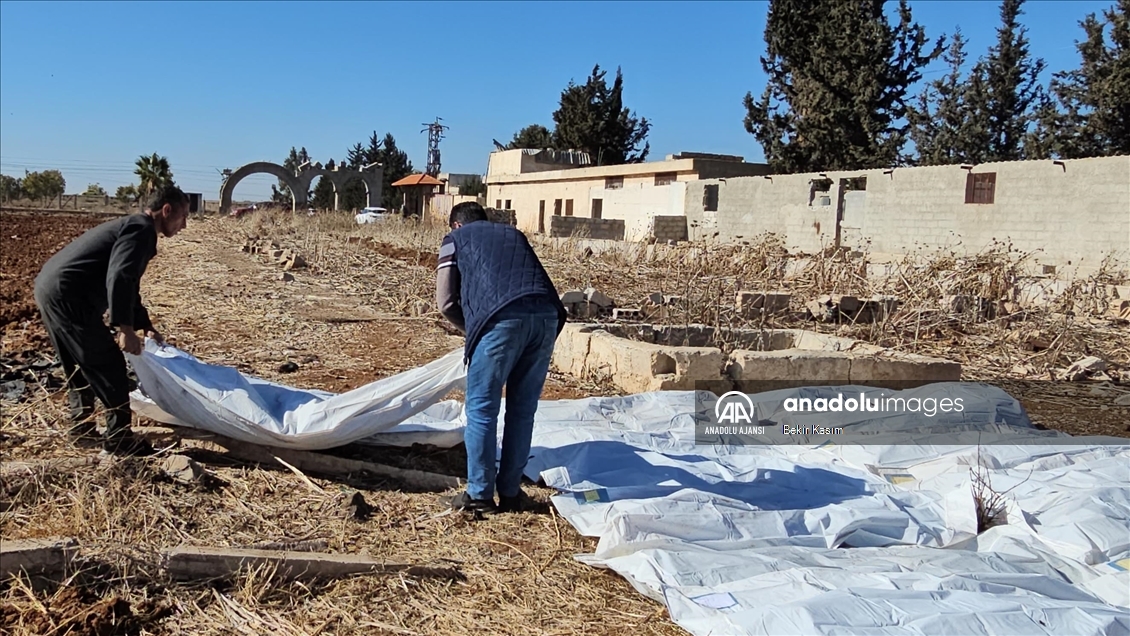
(515, 350)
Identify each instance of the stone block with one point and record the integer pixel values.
(183, 469)
(585, 309)
(846, 304)
(572, 296)
(1119, 309)
(638, 367)
(693, 364)
(598, 298)
(822, 309)
(749, 302)
(791, 365)
(571, 350)
(876, 309)
(903, 370)
(627, 313)
(814, 341)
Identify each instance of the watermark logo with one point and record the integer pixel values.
(735, 415)
(737, 409)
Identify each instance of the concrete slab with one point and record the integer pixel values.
(642, 358)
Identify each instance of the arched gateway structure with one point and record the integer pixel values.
(299, 181)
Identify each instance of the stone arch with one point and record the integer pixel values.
(297, 191)
(339, 177)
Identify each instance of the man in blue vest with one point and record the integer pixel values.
(492, 287)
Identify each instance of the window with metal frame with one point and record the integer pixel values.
(980, 188)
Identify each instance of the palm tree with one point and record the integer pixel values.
(154, 173)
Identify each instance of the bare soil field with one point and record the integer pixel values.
(362, 309)
(29, 240)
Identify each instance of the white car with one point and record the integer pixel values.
(372, 215)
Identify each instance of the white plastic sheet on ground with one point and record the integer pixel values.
(877, 539)
(770, 539)
(176, 388)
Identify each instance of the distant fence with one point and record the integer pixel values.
(97, 203)
(78, 202)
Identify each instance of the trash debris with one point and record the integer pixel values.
(357, 508)
(1085, 368)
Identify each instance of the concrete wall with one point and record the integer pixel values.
(669, 228)
(1075, 213)
(501, 216)
(565, 226)
(750, 206)
(638, 203)
(438, 207)
(793, 357)
(527, 198)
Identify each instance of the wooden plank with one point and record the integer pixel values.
(36, 556)
(9, 470)
(310, 461)
(203, 563)
(319, 463)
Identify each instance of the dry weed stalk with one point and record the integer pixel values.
(990, 505)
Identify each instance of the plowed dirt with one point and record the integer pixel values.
(27, 240)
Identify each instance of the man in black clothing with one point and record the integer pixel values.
(101, 270)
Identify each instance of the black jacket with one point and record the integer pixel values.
(102, 270)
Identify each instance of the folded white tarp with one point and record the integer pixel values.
(176, 388)
(771, 538)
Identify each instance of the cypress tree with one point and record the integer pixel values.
(1012, 88)
(591, 117)
(839, 73)
(942, 126)
(1090, 113)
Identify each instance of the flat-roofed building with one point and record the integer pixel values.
(541, 184)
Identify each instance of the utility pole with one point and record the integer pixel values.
(435, 133)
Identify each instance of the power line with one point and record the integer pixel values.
(251, 187)
(89, 162)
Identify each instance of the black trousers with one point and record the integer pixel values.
(93, 363)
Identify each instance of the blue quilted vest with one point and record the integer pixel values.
(497, 266)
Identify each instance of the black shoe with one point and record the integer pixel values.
(128, 444)
(464, 502)
(518, 503)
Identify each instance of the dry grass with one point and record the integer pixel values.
(516, 580)
(362, 310)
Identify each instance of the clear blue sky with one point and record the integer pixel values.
(88, 87)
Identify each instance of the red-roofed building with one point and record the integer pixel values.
(417, 189)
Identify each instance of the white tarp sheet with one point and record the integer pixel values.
(762, 539)
(176, 388)
(876, 539)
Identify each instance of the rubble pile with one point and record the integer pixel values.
(842, 308)
(589, 303)
(287, 257)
